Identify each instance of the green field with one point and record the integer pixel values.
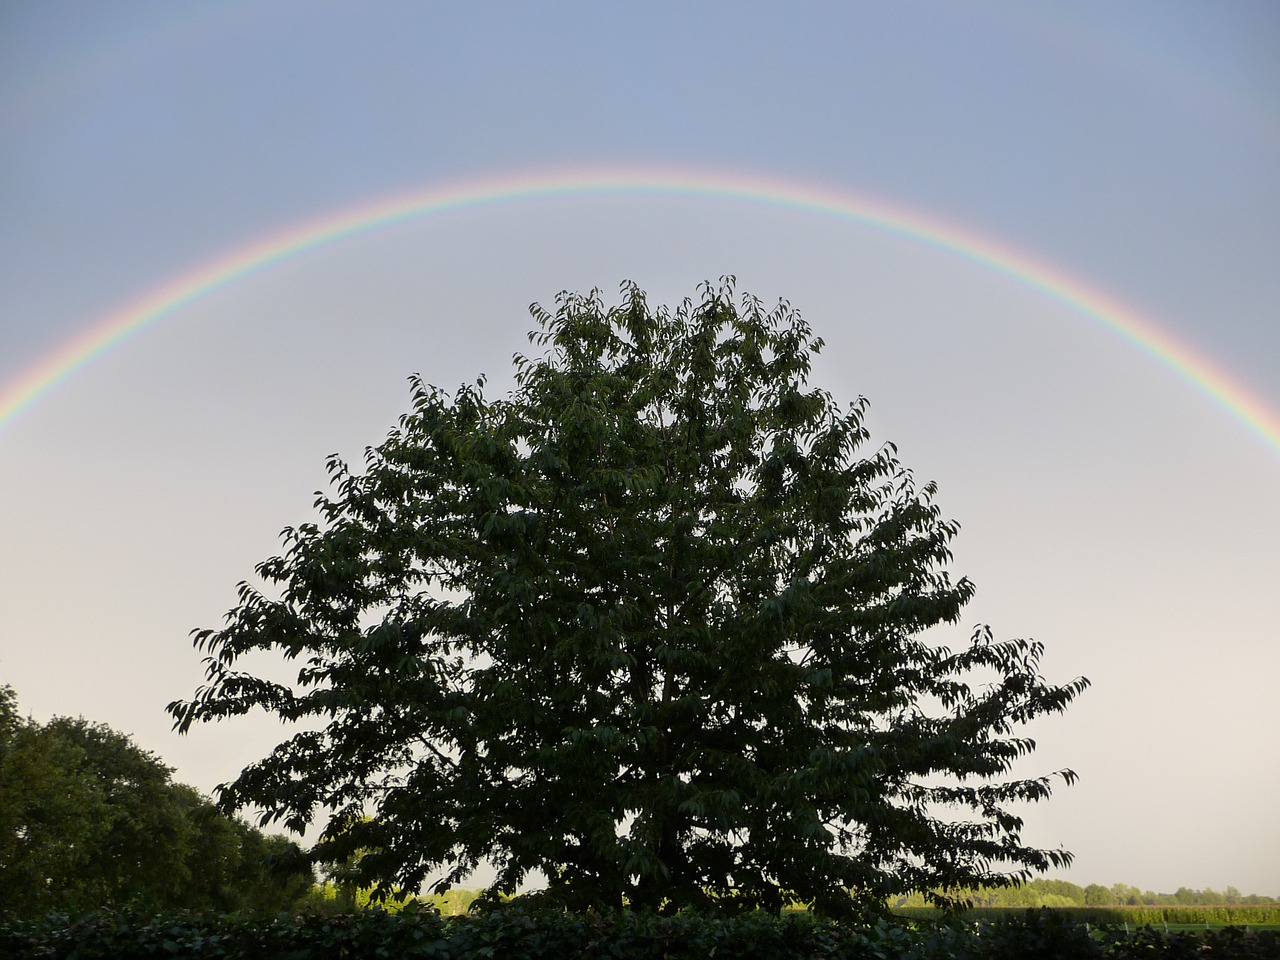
(1172, 919)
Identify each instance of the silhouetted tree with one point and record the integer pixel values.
(651, 625)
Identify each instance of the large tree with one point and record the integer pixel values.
(651, 625)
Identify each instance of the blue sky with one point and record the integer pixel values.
(1108, 508)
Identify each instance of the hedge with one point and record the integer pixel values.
(518, 933)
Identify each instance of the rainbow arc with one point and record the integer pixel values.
(168, 299)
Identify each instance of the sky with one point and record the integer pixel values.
(1113, 506)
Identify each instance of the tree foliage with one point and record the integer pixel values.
(651, 625)
(87, 818)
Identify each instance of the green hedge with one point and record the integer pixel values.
(518, 933)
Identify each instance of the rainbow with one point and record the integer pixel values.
(294, 241)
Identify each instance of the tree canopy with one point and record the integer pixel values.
(652, 625)
(87, 818)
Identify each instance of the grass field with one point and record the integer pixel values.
(1171, 919)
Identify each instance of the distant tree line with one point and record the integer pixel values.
(1063, 893)
(89, 819)
(1035, 893)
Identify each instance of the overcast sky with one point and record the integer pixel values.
(1108, 506)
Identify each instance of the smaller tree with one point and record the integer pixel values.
(141, 831)
(52, 815)
(87, 818)
(1096, 895)
(1126, 895)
